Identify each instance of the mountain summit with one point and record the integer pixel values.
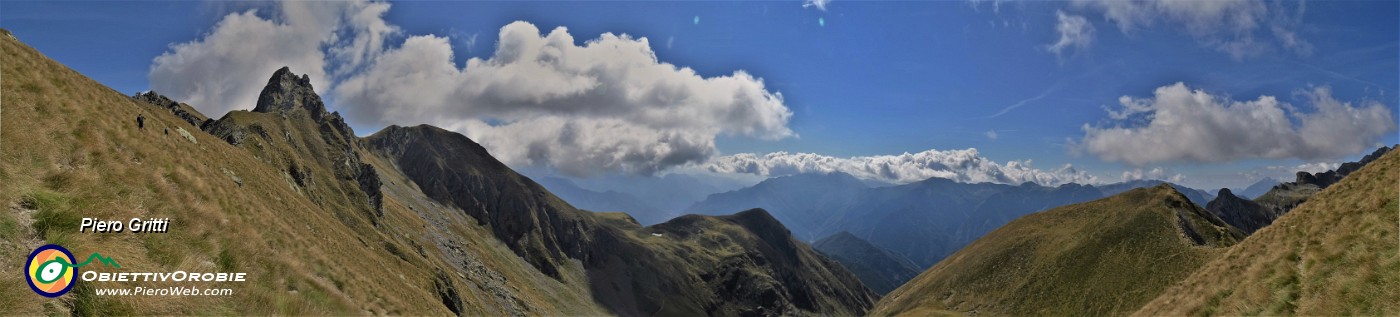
(409, 221)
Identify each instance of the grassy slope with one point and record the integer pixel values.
(1336, 254)
(69, 148)
(1105, 257)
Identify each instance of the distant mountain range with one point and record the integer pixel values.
(651, 200)
(923, 221)
(1258, 188)
(643, 212)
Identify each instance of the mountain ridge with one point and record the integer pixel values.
(291, 177)
(882, 270)
(1102, 257)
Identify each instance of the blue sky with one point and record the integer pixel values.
(869, 79)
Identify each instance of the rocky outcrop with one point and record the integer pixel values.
(289, 126)
(447, 293)
(1283, 197)
(183, 111)
(1241, 213)
(1324, 179)
(286, 92)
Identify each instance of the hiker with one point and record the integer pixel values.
(141, 121)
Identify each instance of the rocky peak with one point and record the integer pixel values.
(287, 92)
(1324, 179)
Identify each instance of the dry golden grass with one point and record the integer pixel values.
(1104, 257)
(1334, 255)
(70, 140)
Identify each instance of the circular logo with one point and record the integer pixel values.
(50, 270)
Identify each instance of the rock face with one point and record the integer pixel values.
(1324, 179)
(1284, 197)
(1241, 213)
(289, 126)
(746, 264)
(184, 111)
(452, 169)
(880, 269)
(286, 92)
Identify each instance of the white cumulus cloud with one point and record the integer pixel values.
(225, 68)
(958, 165)
(542, 100)
(1179, 124)
(819, 4)
(605, 105)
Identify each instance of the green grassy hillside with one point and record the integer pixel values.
(1105, 257)
(412, 221)
(1335, 254)
(71, 149)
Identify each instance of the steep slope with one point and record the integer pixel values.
(71, 149)
(880, 269)
(290, 128)
(1104, 257)
(1283, 197)
(324, 225)
(1250, 215)
(745, 264)
(1333, 255)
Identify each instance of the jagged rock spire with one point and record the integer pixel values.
(286, 92)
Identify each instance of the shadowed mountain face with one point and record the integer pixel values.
(1104, 257)
(746, 264)
(412, 221)
(1241, 213)
(880, 269)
